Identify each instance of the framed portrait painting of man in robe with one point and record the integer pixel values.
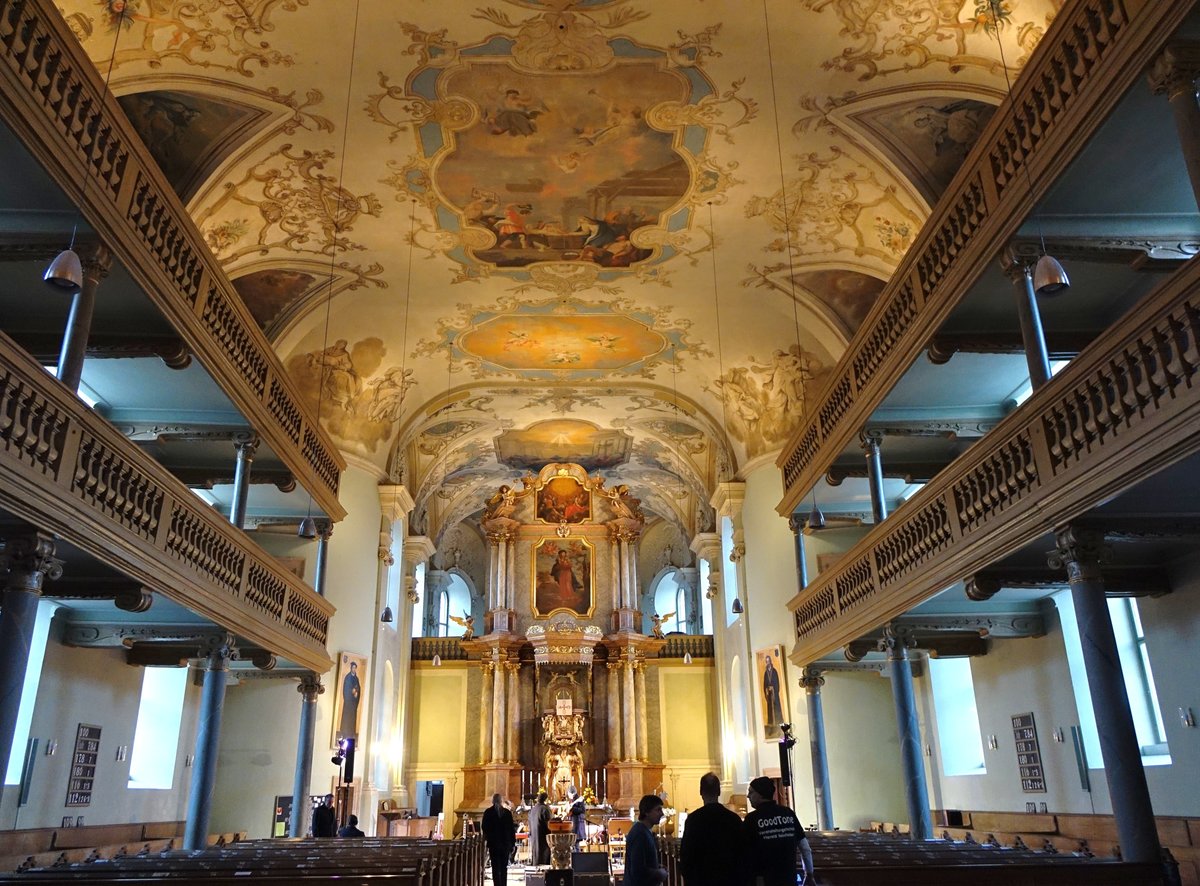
(347, 703)
(772, 691)
(564, 573)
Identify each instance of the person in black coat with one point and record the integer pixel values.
(324, 820)
(500, 834)
(351, 829)
(711, 850)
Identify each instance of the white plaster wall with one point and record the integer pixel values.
(860, 723)
(97, 687)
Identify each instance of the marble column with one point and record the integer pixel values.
(511, 574)
(916, 793)
(643, 733)
(245, 450)
(707, 547)
(498, 714)
(310, 687)
(96, 265)
(1033, 338)
(208, 739)
(1174, 74)
(1080, 551)
(870, 445)
(614, 711)
(626, 588)
(493, 570)
(29, 560)
(512, 726)
(502, 573)
(614, 548)
(486, 711)
(812, 681)
(629, 752)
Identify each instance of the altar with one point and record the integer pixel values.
(561, 665)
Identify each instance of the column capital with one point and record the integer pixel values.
(1080, 552)
(797, 523)
(870, 440)
(1015, 265)
(246, 445)
(812, 679)
(737, 552)
(384, 551)
(309, 687)
(1175, 70)
(417, 549)
(218, 650)
(29, 561)
(486, 666)
(97, 262)
(727, 501)
(895, 643)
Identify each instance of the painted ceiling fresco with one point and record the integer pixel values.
(462, 222)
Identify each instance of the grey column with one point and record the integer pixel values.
(310, 687)
(324, 533)
(629, 730)
(915, 791)
(29, 560)
(1174, 74)
(870, 444)
(498, 747)
(241, 484)
(812, 681)
(797, 524)
(1079, 551)
(208, 739)
(1033, 339)
(511, 723)
(79, 321)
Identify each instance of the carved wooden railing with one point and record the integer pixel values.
(54, 100)
(1088, 59)
(445, 648)
(1124, 408)
(66, 470)
(695, 645)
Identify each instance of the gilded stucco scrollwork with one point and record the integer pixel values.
(301, 208)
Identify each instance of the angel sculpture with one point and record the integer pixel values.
(502, 504)
(657, 632)
(468, 625)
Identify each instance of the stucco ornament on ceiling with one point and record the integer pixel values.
(563, 339)
(900, 36)
(524, 163)
(227, 35)
(765, 402)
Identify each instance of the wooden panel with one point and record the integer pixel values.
(1014, 822)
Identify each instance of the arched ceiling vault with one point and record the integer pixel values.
(483, 234)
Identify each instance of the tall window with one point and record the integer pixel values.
(441, 623)
(670, 595)
(156, 735)
(29, 691)
(1139, 680)
(960, 739)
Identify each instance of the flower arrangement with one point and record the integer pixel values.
(589, 795)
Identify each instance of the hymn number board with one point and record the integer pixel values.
(83, 765)
(1029, 754)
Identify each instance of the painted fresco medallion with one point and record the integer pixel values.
(555, 341)
(563, 440)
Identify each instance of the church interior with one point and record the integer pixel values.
(791, 372)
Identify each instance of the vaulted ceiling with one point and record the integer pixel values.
(626, 233)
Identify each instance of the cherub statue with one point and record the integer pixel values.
(502, 504)
(657, 631)
(468, 624)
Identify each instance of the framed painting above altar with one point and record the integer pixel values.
(564, 500)
(564, 576)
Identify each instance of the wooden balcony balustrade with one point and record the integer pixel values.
(1091, 55)
(53, 99)
(1123, 409)
(67, 470)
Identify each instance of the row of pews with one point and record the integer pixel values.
(395, 861)
(874, 859)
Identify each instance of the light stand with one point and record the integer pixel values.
(786, 744)
(344, 760)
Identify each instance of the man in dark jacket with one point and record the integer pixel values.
(324, 820)
(712, 840)
(500, 834)
(641, 851)
(351, 829)
(772, 834)
(539, 831)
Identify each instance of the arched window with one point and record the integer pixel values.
(670, 595)
(441, 624)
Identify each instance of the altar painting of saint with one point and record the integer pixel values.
(351, 678)
(563, 577)
(772, 691)
(564, 500)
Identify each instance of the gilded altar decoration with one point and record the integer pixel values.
(564, 573)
